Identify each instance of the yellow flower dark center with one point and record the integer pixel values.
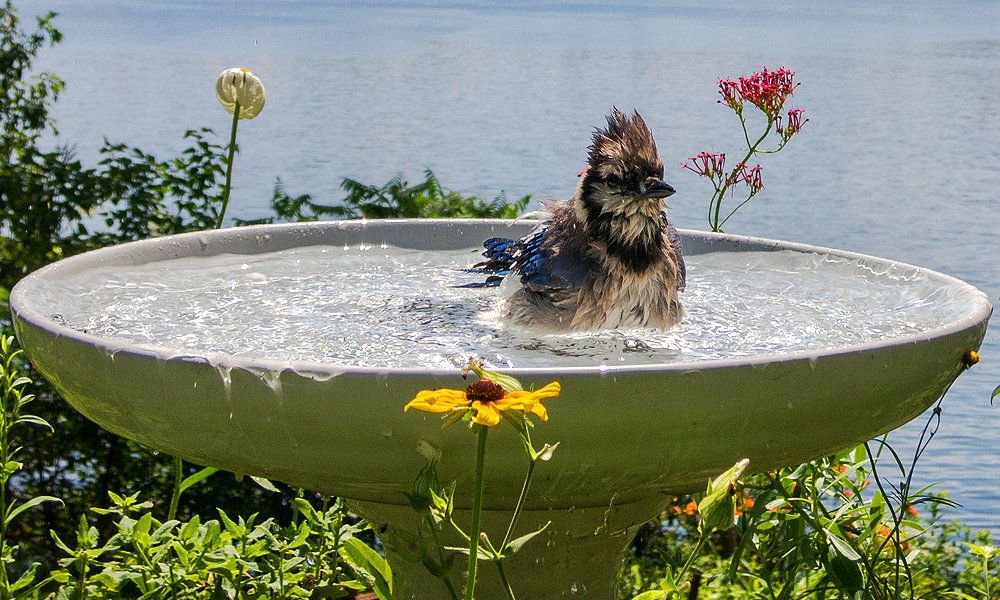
(484, 390)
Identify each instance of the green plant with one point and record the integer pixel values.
(396, 198)
(483, 405)
(319, 554)
(12, 403)
(835, 527)
(241, 93)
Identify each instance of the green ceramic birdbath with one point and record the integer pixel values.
(631, 435)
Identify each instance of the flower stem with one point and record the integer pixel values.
(477, 509)
(506, 582)
(229, 166)
(176, 496)
(751, 150)
(691, 558)
(518, 507)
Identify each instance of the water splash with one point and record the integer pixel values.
(381, 306)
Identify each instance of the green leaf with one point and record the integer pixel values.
(20, 508)
(843, 548)
(183, 557)
(514, 545)
(266, 484)
(306, 510)
(845, 573)
(996, 393)
(24, 581)
(11, 467)
(190, 528)
(985, 552)
(197, 477)
(234, 530)
(34, 420)
(366, 560)
(302, 536)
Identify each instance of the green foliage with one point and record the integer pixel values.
(12, 403)
(319, 553)
(817, 531)
(395, 199)
(316, 555)
(51, 205)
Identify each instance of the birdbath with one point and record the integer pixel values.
(638, 420)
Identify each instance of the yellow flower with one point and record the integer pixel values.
(486, 399)
(240, 85)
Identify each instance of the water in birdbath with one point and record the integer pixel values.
(382, 306)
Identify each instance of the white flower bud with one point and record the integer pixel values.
(240, 85)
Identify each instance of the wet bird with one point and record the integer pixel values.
(607, 258)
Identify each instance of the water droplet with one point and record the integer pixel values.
(387, 433)
(577, 589)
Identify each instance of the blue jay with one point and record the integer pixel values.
(609, 257)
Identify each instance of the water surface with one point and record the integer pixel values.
(383, 306)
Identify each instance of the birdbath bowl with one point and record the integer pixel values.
(636, 424)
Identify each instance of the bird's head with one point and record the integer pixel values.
(621, 192)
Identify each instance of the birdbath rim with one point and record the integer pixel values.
(979, 310)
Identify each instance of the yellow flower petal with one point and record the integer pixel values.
(437, 401)
(531, 401)
(487, 413)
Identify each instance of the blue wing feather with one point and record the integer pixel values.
(541, 265)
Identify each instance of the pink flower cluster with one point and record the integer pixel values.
(750, 176)
(766, 90)
(708, 165)
(713, 166)
(795, 123)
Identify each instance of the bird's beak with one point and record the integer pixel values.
(657, 189)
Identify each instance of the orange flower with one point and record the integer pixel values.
(744, 504)
(691, 508)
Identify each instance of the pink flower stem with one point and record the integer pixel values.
(720, 191)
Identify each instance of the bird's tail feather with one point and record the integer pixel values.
(498, 263)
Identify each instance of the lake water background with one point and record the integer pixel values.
(899, 158)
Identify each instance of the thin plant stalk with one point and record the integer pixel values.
(691, 558)
(477, 509)
(533, 459)
(176, 496)
(506, 582)
(719, 193)
(518, 506)
(229, 166)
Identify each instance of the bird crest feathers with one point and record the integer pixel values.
(626, 144)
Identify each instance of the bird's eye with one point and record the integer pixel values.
(613, 181)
